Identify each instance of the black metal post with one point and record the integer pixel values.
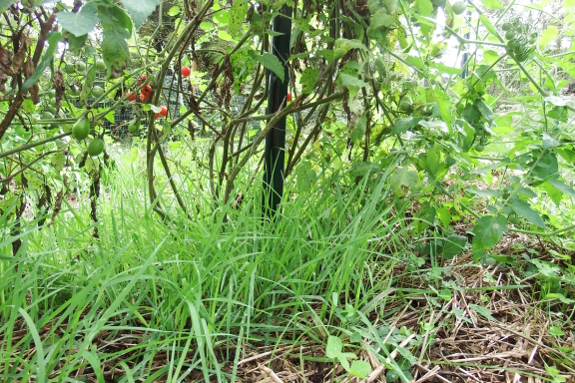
(277, 94)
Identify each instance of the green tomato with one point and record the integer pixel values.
(514, 219)
(506, 26)
(70, 69)
(134, 126)
(81, 129)
(96, 147)
(80, 67)
(479, 147)
(97, 91)
(521, 57)
(74, 92)
(509, 35)
(100, 64)
(512, 44)
(47, 116)
(459, 7)
(404, 106)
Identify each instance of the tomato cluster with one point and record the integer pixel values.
(520, 38)
(145, 93)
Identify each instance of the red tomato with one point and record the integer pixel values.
(146, 90)
(144, 97)
(143, 77)
(156, 116)
(289, 96)
(186, 71)
(131, 96)
(163, 111)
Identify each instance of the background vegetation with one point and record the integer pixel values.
(426, 227)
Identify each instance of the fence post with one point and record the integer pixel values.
(277, 97)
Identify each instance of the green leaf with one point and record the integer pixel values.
(381, 19)
(484, 109)
(548, 35)
(490, 57)
(272, 63)
(174, 11)
(444, 216)
(435, 125)
(238, 14)
(5, 4)
(342, 46)
(334, 347)
(549, 142)
(308, 79)
(554, 330)
(524, 210)
(492, 4)
(401, 125)
(79, 23)
(562, 187)
(415, 62)
(485, 21)
(360, 369)
(444, 105)
(483, 311)
(114, 18)
(115, 50)
(353, 81)
(546, 167)
(433, 158)
(75, 43)
(403, 180)
(359, 131)
(139, 10)
(424, 7)
(453, 246)
(487, 232)
(28, 106)
(53, 38)
(96, 365)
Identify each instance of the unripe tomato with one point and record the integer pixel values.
(134, 126)
(459, 7)
(81, 129)
(97, 91)
(186, 71)
(163, 111)
(100, 64)
(80, 67)
(96, 147)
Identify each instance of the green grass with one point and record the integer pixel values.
(195, 293)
